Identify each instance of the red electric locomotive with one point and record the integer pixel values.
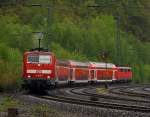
(123, 74)
(39, 69)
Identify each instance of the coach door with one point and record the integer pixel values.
(72, 74)
(92, 75)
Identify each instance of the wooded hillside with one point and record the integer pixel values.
(75, 29)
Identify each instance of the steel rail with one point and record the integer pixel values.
(108, 96)
(123, 91)
(97, 104)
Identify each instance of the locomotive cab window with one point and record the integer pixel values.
(124, 70)
(129, 70)
(43, 59)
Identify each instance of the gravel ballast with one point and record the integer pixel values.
(79, 110)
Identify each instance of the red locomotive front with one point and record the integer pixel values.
(39, 69)
(124, 74)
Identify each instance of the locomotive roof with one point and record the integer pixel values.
(40, 49)
(102, 65)
(32, 52)
(124, 67)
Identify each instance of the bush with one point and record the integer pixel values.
(61, 53)
(10, 67)
(15, 34)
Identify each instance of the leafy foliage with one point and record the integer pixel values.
(61, 53)
(10, 67)
(15, 34)
(75, 31)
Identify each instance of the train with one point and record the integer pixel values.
(42, 70)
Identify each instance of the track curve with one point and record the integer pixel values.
(126, 97)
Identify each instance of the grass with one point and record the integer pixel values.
(35, 110)
(29, 110)
(43, 110)
(7, 102)
(101, 90)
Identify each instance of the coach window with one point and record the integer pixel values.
(121, 70)
(125, 70)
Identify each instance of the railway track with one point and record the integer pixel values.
(68, 95)
(127, 91)
(147, 89)
(97, 103)
(87, 93)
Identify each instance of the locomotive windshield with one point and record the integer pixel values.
(125, 70)
(43, 59)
